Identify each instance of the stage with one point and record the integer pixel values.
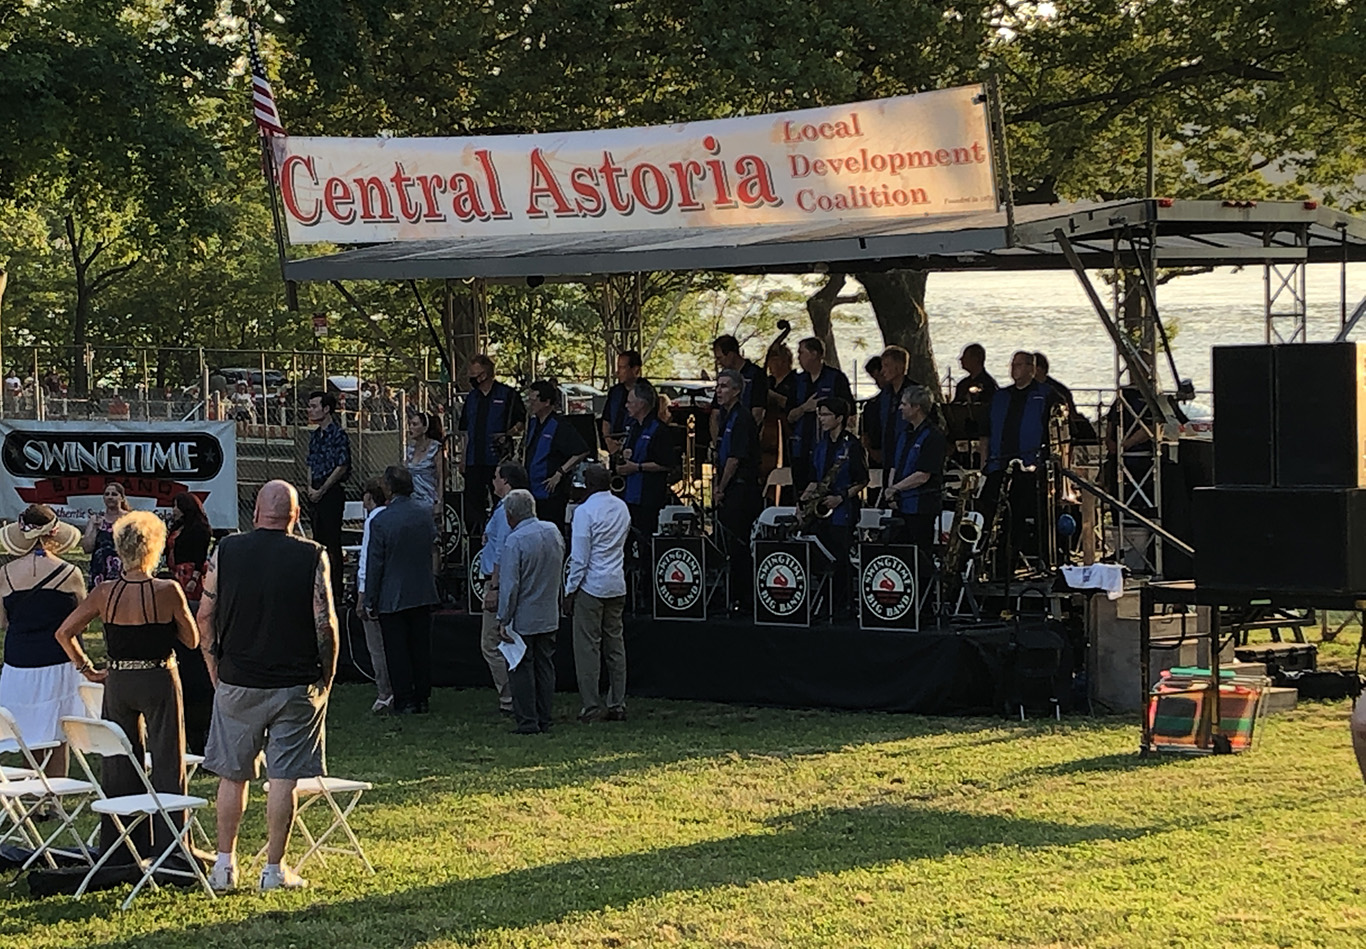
(978, 670)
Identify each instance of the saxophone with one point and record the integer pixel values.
(963, 532)
(813, 508)
(990, 549)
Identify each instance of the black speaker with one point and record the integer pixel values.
(1276, 540)
(1244, 437)
(1320, 416)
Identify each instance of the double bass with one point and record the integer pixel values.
(773, 436)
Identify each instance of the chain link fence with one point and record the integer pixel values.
(264, 391)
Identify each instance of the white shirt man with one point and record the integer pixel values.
(595, 595)
(373, 499)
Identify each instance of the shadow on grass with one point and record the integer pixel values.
(1121, 761)
(463, 748)
(800, 845)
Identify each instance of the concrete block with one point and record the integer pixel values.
(1281, 699)
(1244, 668)
(1113, 629)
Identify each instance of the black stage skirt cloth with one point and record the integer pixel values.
(968, 671)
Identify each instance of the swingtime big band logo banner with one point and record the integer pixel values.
(69, 465)
(909, 156)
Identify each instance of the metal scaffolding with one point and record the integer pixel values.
(1286, 291)
(621, 307)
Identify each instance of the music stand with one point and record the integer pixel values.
(967, 422)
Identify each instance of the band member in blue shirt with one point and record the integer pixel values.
(615, 417)
(737, 497)
(1019, 433)
(553, 449)
(754, 397)
(839, 471)
(651, 454)
(814, 382)
(916, 483)
(491, 422)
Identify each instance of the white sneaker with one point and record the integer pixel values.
(382, 705)
(282, 877)
(223, 879)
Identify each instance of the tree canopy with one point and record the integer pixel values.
(132, 207)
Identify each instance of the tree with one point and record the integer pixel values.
(107, 139)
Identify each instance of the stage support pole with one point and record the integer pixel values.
(1088, 529)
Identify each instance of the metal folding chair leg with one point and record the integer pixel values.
(340, 821)
(326, 789)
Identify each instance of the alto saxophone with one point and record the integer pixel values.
(813, 508)
(614, 462)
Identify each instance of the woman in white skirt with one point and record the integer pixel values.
(38, 590)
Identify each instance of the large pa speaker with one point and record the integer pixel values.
(1244, 437)
(1275, 540)
(1320, 416)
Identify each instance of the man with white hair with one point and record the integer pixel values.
(529, 574)
(595, 595)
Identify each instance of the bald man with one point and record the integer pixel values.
(269, 635)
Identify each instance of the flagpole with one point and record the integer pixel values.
(268, 126)
(268, 164)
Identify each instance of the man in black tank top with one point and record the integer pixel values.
(269, 635)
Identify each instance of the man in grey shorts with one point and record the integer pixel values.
(269, 635)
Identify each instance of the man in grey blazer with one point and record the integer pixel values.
(530, 571)
(400, 590)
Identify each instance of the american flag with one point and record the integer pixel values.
(262, 99)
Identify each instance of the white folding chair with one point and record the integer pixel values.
(92, 697)
(89, 736)
(312, 790)
(25, 791)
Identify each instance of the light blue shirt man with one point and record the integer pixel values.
(496, 534)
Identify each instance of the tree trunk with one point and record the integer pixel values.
(898, 299)
(819, 306)
(80, 319)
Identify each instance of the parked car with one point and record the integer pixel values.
(581, 399)
(274, 378)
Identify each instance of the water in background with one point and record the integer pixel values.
(1048, 311)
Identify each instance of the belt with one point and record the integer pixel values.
(131, 665)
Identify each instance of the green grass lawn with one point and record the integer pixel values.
(708, 825)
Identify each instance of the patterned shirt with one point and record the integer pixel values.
(328, 449)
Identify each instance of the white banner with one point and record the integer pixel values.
(67, 465)
(909, 156)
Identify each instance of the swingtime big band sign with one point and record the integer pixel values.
(908, 156)
(69, 465)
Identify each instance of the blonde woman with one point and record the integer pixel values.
(38, 590)
(143, 619)
(98, 540)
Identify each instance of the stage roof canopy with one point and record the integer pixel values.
(1188, 234)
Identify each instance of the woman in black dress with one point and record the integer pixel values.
(143, 619)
